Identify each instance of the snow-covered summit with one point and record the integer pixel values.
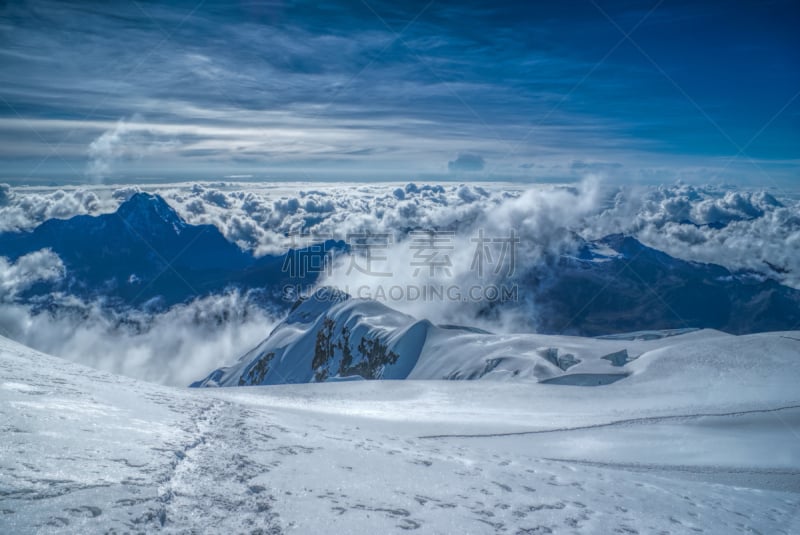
(330, 336)
(308, 308)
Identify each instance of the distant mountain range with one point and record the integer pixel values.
(145, 255)
(617, 284)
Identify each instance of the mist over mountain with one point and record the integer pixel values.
(147, 256)
(171, 284)
(740, 229)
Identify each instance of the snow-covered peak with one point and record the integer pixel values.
(366, 339)
(308, 308)
(330, 336)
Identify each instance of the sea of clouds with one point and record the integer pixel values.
(740, 229)
(755, 230)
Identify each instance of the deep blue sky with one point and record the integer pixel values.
(539, 91)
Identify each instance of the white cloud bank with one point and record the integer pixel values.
(740, 229)
(175, 347)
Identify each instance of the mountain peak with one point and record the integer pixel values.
(144, 210)
(309, 307)
(624, 244)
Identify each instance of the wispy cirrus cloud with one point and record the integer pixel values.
(384, 90)
(122, 142)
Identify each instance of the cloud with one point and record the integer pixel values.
(470, 194)
(582, 167)
(261, 218)
(466, 162)
(544, 219)
(6, 195)
(312, 107)
(39, 266)
(22, 209)
(126, 192)
(739, 229)
(175, 347)
(733, 206)
(125, 141)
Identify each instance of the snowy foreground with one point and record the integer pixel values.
(702, 436)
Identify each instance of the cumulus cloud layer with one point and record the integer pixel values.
(739, 229)
(262, 219)
(23, 209)
(543, 221)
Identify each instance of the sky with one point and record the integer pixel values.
(645, 92)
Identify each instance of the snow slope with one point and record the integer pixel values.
(703, 437)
